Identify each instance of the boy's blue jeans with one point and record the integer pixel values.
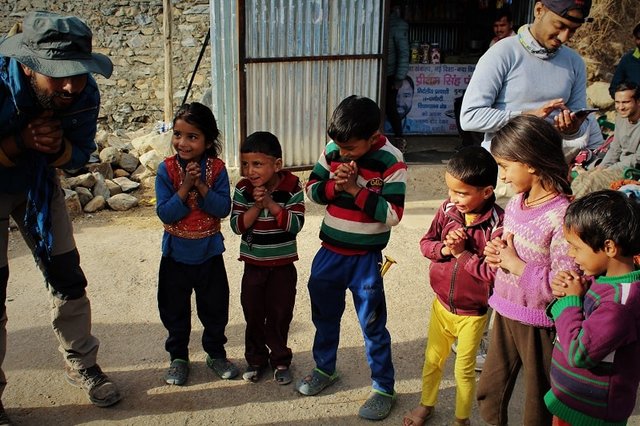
(331, 275)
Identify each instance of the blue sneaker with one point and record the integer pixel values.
(377, 406)
(315, 383)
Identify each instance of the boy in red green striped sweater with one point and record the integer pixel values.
(361, 178)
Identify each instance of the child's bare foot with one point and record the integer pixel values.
(418, 416)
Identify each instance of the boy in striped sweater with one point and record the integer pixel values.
(361, 178)
(268, 211)
(595, 371)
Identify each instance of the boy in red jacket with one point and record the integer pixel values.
(458, 275)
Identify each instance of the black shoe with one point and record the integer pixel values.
(4, 418)
(102, 392)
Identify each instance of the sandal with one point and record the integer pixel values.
(413, 417)
(316, 382)
(282, 375)
(177, 373)
(253, 373)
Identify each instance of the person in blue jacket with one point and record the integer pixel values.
(628, 69)
(49, 106)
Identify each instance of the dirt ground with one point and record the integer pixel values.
(120, 256)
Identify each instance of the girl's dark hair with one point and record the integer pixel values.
(355, 117)
(200, 115)
(535, 142)
(606, 215)
(474, 166)
(263, 143)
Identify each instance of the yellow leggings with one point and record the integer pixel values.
(444, 328)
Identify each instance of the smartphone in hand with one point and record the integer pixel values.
(583, 112)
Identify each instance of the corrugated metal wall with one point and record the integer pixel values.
(224, 75)
(291, 90)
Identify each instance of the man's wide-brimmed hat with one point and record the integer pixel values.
(562, 8)
(56, 46)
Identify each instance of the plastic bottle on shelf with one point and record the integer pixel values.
(415, 52)
(425, 50)
(434, 53)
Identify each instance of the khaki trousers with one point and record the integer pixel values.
(70, 307)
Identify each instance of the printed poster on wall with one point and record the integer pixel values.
(425, 100)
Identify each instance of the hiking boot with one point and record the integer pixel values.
(102, 392)
(178, 372)
(224, 368)
(4, 418)
(377, 406)
(315, 383)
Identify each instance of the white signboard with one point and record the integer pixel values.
(425, 100)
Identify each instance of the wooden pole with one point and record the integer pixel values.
(168, 70)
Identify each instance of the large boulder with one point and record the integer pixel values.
(128, 162)
(598, 95)
(161, 143)
(151, 160)
(122, 202)
(110, 155)
(73, 202)
(86, 180)
(96, 204)
(126, 184)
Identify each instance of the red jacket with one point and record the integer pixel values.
(462, 284)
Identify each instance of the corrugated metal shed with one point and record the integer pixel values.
(302, 57)
(224, 75)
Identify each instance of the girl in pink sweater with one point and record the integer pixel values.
(530, 253)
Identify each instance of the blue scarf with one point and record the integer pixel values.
(37, 216)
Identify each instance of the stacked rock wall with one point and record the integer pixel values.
(131, 34)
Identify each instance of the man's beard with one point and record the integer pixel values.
(45, 100)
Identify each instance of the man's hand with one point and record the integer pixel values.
(568, 283)
(547, 108)
(43, 133)
(568, 122)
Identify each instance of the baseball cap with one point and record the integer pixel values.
(562, 8)
(56, 46)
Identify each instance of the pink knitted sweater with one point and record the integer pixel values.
(539, 241)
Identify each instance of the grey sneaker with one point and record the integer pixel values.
(178, 372)
(315, 382)
(102, 392)
(224, 368)
(377, 406)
